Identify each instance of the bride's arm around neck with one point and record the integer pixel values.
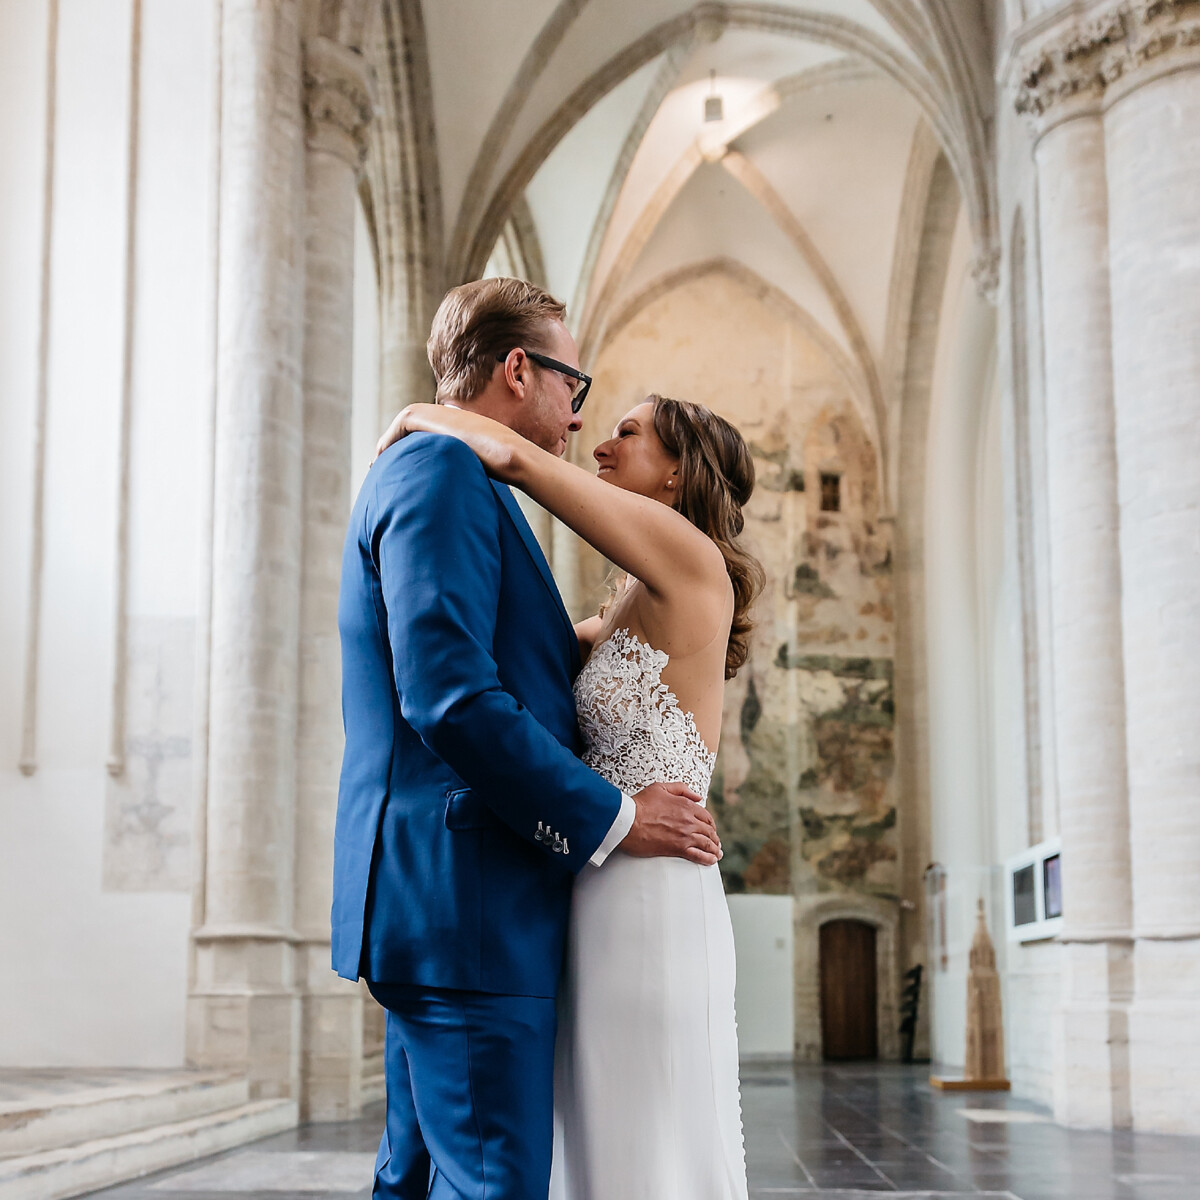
(645, 538)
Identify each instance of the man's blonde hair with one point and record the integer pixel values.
(477, 323)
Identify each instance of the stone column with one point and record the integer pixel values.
(1152, 138)
(338, 105)
(1090, 1042)
(244, 1011)
(405, 374)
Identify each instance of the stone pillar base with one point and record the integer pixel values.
(243, 1014)
(1091, 1036)
(331, 1064)
(1164, 1051)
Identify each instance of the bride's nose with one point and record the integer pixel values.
(601, 452)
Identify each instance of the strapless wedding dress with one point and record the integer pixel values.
(646, 1071)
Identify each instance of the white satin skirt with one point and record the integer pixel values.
(647, 1105)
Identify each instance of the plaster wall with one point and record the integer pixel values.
(804, 792)
(23, 57)
(764, 944)
(1032, 972)
(1000, 617)
(94, 890)
(960, 799)
(714, 216)
(978, 778)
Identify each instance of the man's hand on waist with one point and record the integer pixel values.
(672, 822)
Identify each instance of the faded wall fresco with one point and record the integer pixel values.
(148, 810)
(804, 793)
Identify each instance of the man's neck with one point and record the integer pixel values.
(486, 406)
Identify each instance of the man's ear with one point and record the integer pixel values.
(516, 370)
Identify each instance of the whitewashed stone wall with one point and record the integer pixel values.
(1032, 983)
(106, 306)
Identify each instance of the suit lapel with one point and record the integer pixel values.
(539, 560)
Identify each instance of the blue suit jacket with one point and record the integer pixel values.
(461, 736)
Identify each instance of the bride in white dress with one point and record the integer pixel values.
(646, 1074)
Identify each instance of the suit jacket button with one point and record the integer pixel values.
(558, 844)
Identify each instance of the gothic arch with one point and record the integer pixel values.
(771, 295)
(472, 240)
(597, 315)
(401, 193)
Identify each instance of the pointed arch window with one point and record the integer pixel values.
(831, 492)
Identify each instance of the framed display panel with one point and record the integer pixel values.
(1033, 899)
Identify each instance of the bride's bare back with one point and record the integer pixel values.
(695, 672)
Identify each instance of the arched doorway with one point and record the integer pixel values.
(849, 991)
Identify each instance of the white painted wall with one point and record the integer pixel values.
(1030, 973)
(22, 133)
(95, 951)
(977, 780)
(765, 1000)
(959, 776)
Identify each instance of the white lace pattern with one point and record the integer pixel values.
(635, 732)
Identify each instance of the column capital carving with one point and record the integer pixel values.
(1091, 59)
(339, 98)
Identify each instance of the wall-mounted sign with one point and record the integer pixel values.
(1033, 892)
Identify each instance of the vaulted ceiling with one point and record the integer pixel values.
(577, 129)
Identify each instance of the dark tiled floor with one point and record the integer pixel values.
(846, 1133)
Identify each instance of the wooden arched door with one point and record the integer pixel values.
(849, 990)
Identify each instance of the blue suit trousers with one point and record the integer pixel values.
(470, 1095)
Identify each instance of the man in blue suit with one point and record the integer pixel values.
(463, 809)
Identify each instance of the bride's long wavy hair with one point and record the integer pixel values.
(716, 479)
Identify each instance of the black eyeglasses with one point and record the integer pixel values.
(582, 382)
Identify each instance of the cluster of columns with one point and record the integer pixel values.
(263, 1001)
(1114, 98)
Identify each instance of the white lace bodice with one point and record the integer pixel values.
(635, 732)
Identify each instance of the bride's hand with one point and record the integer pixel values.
(496, 445)
(403, 423)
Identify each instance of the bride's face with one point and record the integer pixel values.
(635, 459)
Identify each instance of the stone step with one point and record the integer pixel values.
(49, 1117)
(85, 1166)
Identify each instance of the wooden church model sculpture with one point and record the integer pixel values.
(984, 1071)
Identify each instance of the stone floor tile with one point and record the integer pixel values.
(832, 1133)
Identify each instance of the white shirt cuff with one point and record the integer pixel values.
(617, 831)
